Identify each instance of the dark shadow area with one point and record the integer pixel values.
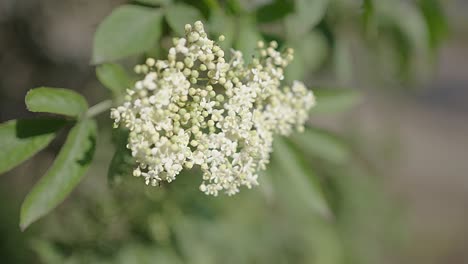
(39, 126)
(88, 155)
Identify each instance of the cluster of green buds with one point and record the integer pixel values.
(202, 108)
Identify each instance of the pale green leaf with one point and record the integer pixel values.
(335, 100)
(413, 26)
(322, 144)
(342, 59)
(113, 77)
(296, 69)
(299, 176)
(178, 15)
(222, 24)
(57, 101)
(47, 252)
(307, 15)
(64, 174)
(309, 54)
(247, 38)
(21, 139)
(313, 49)
(128, 30)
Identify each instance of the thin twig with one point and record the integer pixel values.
(99, 108)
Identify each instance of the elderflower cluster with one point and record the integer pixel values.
(198, 108)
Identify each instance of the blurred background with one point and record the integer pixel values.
(406, 201)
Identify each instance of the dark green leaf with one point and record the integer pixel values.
(122, 163)
(114, 77)
(66, 172)
(322, 144)
(179, 15)
(300, 177)
(154, 2)
(234, 7)
(275, 10)
(21, 139)
(57, 101)
(335, 100)
(128, 30)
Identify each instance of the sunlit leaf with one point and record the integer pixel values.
(113, 77)
(322, 144)
(178, 15)
(335, 100)
(56, 101)
(62, 177)
(21, 139)
(299, 176)
(128, 30)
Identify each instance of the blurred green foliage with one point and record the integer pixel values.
(318, 202)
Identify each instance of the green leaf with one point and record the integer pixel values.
(313, 47)
(46, 251)
(57, 101)
(21, 139)
(154, 2)
(66, 172)
(114, 77)
(436, 20)
(122, 163)
(309, 54)
(413, 26)
(342, 60)
(274, 11)
(179, 15)
(296, 69)
(335, 100)
(300, 177)
(307, 15)
(323, 144)
(128, 30)
(247, 38)
(222, 24)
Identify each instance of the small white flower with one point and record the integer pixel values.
(195, 109)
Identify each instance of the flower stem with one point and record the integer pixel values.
(99, 108)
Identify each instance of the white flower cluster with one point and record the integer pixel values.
(198, 109)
